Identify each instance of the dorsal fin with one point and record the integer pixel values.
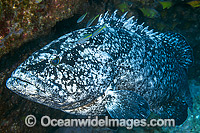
(121, 22)
(178, 44)
(174, 41)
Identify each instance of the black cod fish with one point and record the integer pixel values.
(117, 66)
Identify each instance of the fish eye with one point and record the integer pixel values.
(55, 61)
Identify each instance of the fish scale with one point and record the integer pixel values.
(117, 66)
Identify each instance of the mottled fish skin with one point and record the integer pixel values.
(82, 75)
(123, 56)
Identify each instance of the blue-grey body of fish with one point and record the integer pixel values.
(81, 18)
(125, 70)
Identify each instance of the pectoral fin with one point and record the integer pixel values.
(174, 109)
(124, 104)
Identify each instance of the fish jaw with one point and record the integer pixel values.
(32, 88)
(23, 81)
(21, 87)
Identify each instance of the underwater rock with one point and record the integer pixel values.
(24, 20)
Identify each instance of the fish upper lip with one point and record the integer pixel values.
(38, 84)
(25, 81)
(64, 106)
(12, 85)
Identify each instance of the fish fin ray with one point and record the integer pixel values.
(177, 43)
(124, 104)
(129, 24)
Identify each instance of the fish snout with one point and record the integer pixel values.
(25, 84)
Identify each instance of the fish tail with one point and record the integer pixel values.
(177, 44)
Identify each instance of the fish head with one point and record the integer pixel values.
(64, 74)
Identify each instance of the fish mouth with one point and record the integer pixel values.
(35, 90)
(23, 87)
(30, 87)
(31, 90)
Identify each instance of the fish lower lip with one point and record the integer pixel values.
(21, 86)
(33, 92)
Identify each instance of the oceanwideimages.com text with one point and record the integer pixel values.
(46, 121)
